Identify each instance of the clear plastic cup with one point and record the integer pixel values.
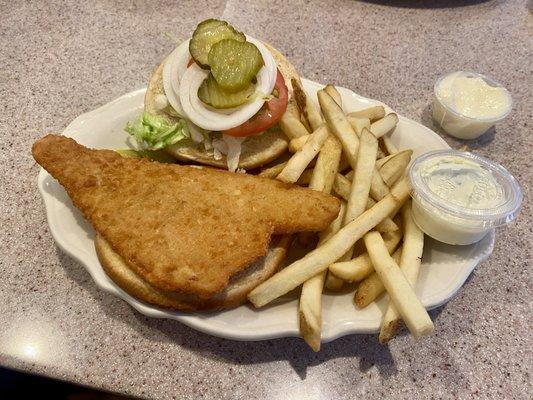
(459, 125)
(450, 223)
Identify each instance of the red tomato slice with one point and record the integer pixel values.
(268, 116)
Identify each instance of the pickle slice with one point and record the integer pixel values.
(206, 34)
(212, 94)
(234, 64)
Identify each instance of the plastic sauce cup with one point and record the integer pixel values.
(459, 125)
(453, 224)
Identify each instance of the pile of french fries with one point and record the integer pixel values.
(374, 241)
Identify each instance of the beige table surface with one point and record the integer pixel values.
(61, 59)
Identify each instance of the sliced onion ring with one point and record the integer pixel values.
(174, 63)
(205, 117)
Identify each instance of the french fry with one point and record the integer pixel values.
(378, 188)
(400, 291)
(385, 226)
(339, 126)
(358, 124)
(333, 283)
(297, 143)
(372, 113)
(360, 267)
(327, 165)
(301, 101)
(413, 247)
(334, 93)
(384, 125)
(323, 176)
(319, 259)
(389, 146)
(310, 311)
(363, 171)
(342, 187)
(290, 122)
(310, 308)
(301, 159)
(395, 167)
(371, 287)
(381, 161)
(273, 171)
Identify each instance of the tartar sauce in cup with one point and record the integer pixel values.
(466, 104)
(459, 197)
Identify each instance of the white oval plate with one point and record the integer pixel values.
(444, 268)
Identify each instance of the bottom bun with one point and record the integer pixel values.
(234, 295)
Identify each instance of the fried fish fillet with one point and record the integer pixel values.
(181, 228)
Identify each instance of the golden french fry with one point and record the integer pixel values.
(310, 308)
(400, 291)
(273, 171)
(389, 146)
(339, 126)
(342, 187)
(323, 176)
(333, 283)
(371, 287)
(381, 161)
(394, 168)
(301, 159)
(297, 143)
(327, 165)
(360, 267)
(413, 247)
(358, 124)
(385, 226)
(301, 101)
(334, 93)
(378, 188)
(319, 259)
(290, 122)
(372, 113)
(364, 169)
(384, 125)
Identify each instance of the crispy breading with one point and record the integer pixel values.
(181, 228)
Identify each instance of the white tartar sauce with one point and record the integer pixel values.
(461, 182)
(466, 104)
(472, 97)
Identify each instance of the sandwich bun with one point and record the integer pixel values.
(232, 296)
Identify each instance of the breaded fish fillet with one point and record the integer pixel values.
(181, 228)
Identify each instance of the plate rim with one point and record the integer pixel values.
(193, 320)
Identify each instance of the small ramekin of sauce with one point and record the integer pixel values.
(467, 104)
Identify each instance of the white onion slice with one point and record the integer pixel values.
(205, 117)
(234, 151)
(175, 62)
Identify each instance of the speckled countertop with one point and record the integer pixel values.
(60, 59)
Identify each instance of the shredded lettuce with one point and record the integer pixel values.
(155, 132)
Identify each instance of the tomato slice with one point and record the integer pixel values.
(268, 116)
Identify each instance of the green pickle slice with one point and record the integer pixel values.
(211, 93)
(206, 34)
(234, 63)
